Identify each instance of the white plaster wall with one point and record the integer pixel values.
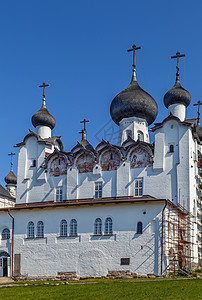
(177, 110)
(134, 124)
(88, 254)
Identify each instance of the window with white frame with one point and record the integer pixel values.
(73, 227)
(58, 197)
(98, 189)
(40, 229)
(98, 226)
(108, 226)
(30, 230)
(5, 234)
(63, 228)
(138, 187)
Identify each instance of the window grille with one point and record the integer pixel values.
(98, 226)
(98, 189)
(30, 230)
(108, 226)
(59, 194)
(5, 234)
(139, 227)
(73, 227)
(63, 228)
(139, 187)
(40, 229)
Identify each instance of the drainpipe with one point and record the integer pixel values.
(162, 236)
(12, 243)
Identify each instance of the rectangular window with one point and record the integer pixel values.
(59, 194)
(98, 189)
(125, 261)
(139, 187)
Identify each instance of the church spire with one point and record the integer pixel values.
(134, 48)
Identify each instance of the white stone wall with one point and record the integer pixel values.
(88, 254)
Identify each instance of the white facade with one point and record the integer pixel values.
(114, 202)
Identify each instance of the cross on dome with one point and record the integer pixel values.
(178, 55)
(134, 48)
(44, 86)
(11, 155)
(199, 103)
(84, 124)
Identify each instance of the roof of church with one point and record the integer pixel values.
(48, 141)
(133, 102)
(43, 117)
(177, 95)
(11, 178)
(186, 122)
(5, 193)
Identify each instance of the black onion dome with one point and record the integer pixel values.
(11, 178)
(177, 95)
(199, 131)
(43, 117)
(133, 102)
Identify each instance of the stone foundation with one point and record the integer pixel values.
(66, 276)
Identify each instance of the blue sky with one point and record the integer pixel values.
(80, 49)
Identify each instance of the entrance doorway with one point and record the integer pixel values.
(4, 264)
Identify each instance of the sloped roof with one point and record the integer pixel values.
(5, 193)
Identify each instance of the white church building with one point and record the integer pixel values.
(131, 208)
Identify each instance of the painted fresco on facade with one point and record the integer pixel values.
(110, 160)
(140, 158)
(58, 167)
(85, 163)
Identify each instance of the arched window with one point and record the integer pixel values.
(40, 229)
(30, 230)
(63, 228)
(73, 227)
(108, 226)
(171, 148)
(139, 227)
(140, 136)
(98, 226)
(5, 234)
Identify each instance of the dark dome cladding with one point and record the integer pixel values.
(43, 117)
(177, 95)
(133, 102)
(11, 178)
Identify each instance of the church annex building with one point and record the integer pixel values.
(133, 207)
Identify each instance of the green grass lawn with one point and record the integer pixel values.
(110, 289)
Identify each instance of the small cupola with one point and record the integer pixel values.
(177, 98)
(42, 120)
(11, 179)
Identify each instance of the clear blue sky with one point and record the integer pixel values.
(80, 49)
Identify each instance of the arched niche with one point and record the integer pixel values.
(110, 160)
(140, 158)
(85, 162)
(58, 166)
